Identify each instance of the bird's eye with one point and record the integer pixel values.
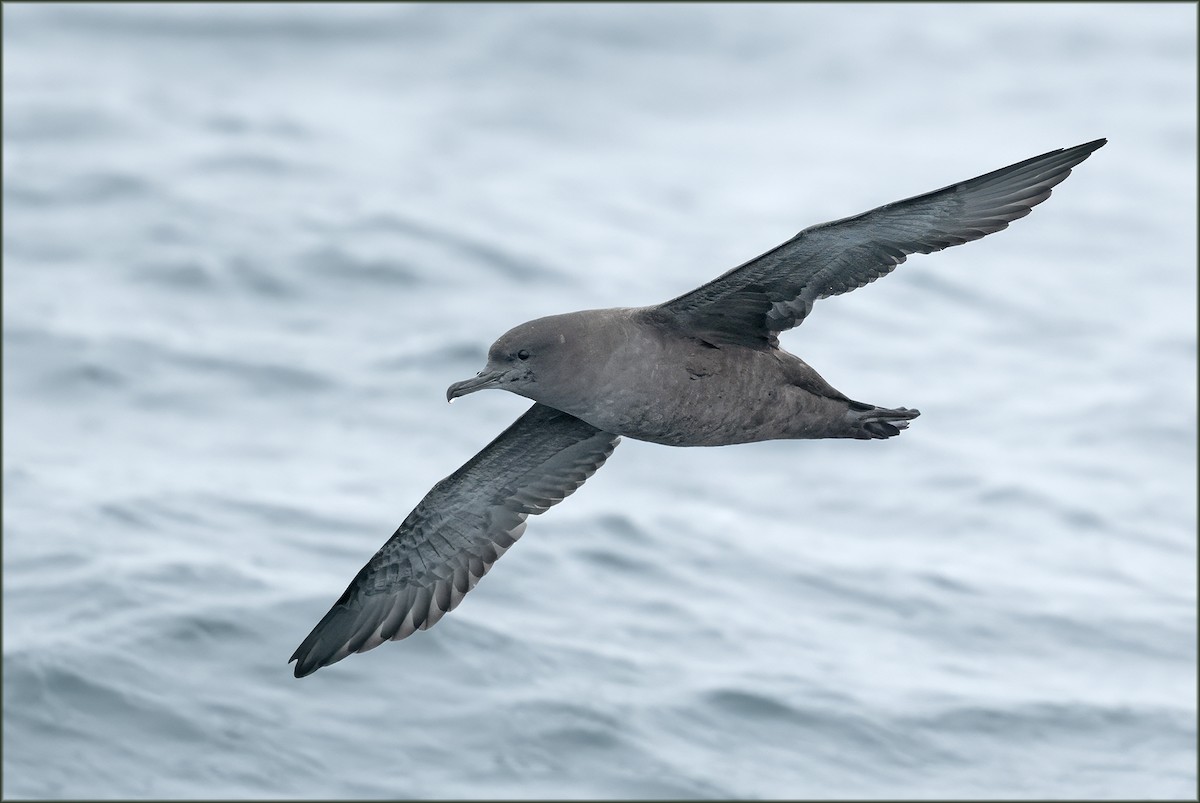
(522, 355)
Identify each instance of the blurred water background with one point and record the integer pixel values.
(247, 247)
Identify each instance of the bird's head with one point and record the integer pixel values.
(530, 360)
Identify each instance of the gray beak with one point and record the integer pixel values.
(483, 379)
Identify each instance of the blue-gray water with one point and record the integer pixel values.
(246, 248)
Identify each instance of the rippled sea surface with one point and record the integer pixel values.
(247, 247)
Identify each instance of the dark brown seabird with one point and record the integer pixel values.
(703, 369)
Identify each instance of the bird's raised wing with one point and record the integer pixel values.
(752, 303)
(461, 527)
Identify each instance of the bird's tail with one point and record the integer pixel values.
(868, 421)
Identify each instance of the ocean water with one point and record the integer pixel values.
(247, 247)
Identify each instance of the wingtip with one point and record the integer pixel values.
(300, 669)
(307, 663)
(307, 657)
(301, 672)
(1071, 157)
(1091, 147)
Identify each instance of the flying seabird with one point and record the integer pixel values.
(703, 369)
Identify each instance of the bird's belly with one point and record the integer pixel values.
(688, 407)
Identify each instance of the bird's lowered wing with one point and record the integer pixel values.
(461, 527)
(752, 303)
